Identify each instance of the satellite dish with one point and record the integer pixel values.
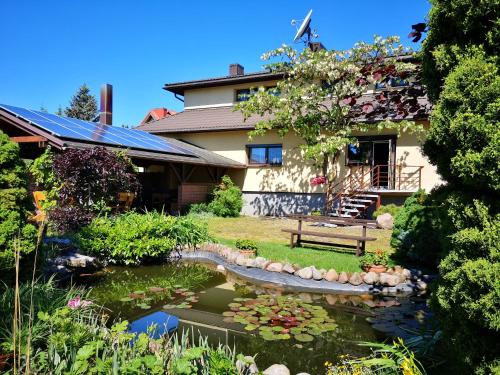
(304, 28)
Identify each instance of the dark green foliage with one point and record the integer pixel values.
(199, 208)
(14, 204)
(376, 258)
(246, 245)
(132, 237)
(227, 200)
(83, 105)
(387, 209)
(90, 181)
(454, 26)
(419, 232)
(464, 139)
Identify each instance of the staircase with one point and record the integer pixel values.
(349, 197)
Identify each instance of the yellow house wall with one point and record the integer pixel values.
(217, 96)
(294, 175)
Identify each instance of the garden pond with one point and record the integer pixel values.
(300, 330)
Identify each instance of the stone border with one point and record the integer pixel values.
(308, 279)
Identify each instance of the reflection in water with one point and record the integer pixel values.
(204, 315)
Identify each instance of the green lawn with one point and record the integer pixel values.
(274, 244)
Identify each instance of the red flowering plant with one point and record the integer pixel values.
(318, 180)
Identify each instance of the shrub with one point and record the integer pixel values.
(199, 209)
(227, 200)
(419, 232)
(90, 182)
(132, 237)
(246, 245)
(387, 209)
(14, 204)
(376, 258)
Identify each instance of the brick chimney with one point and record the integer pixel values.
(236, 70)
(106, 111)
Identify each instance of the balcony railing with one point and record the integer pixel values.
(385, 177)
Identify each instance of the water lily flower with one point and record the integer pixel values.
(77, 303)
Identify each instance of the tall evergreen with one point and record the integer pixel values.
(83, 105)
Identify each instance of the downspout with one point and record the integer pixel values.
(178, 98)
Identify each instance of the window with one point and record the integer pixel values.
(359, 154)
(265, 154)
(393, 82)
(243, 95)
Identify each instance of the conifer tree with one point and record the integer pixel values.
(83, 105)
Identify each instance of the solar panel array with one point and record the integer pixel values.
(93, 132)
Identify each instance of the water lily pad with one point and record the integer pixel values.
(138, 292)
(168, 307)
(304, 337)
(228, 313)
(126, 299)
(251, 327)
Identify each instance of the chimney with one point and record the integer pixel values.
(106, 111)
(236, 70)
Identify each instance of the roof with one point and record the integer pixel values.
(157, 114)
(180, 87)
(225, 118)
(178, 151)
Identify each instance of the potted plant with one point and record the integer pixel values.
(247, 247)
(375, 261)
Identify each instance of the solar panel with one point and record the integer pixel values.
(86, 131)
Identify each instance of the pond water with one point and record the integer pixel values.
(313, 328)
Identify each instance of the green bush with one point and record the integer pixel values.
(227, 200)
(419, 232)
(387, 209)
(199, 209)
(132, 237)
(376, 258)
(15, 204)
(246, 245)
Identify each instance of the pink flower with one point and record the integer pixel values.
(77, 303)
(318, 180)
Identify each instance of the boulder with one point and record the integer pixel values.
(323, 273)
(331, 275)
(385, 221)
(343, 278)
(398, 269)
(265, 264)
(225, 252)
(274, 267)
(250, 262)
(407, 273)
(316, 274)
(247, 365)
(259, 262)
(305, 273)
(371, 278)
(277, 370)
(306, 297)
(388, 279)
(421, 285)
(232, 256)
(288, 268)
(221, 268)
(73, 259)
(355, 279)
(241, 260)
(331, 299)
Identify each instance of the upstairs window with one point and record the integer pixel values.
(265, 155)
(393, 82)
(243, 95)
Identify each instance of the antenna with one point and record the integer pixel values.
(304, 29)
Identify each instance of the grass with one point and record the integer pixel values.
(274, 244)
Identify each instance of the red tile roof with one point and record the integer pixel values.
(157, 114)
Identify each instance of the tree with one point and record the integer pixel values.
(14, 204)
(320, 98)
(60, 111)
(454, 26)
(83, 105)
(90, 181)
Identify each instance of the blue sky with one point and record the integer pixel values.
(49, 48)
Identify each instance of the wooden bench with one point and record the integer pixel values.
(360, 239)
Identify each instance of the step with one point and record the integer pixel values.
(356, 200)
(375, 196)
(354, 210)
(353, 205)
(337, 215)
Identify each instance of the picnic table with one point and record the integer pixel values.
(296, 234)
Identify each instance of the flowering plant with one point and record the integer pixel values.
(77, 303)
(379, 257)
(318, 180)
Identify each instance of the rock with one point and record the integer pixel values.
(331, 299)
(306, 297)
(259, 262)
(288, 268)
(371, 278)
(277, 370)
(331, 275)
(421, 285)
(385, 221)
(265, 264)
(305, 273)
(407, 273)
(388, 279)
(241, 260)
(398, 269)
(72, 259)
(221, 268)
(225, 252)
(355, 279)
(250, 262)
(274, 267)
(343, 278)
(316, 274)
(323, 273)
(247, 365)
(231, 258)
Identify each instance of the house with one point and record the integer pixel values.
(157, 114)
(383, 168)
